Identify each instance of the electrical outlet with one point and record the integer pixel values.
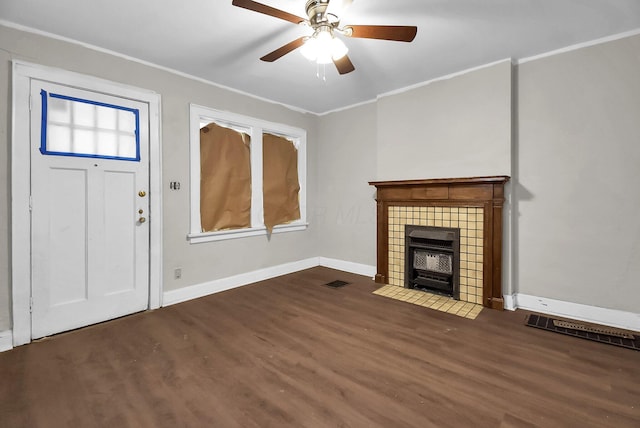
(177, 273)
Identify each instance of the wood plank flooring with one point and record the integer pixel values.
(291, 352)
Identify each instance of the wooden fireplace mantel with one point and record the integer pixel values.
(485, 192)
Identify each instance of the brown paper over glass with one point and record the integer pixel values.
(280, 181)
(225, 179)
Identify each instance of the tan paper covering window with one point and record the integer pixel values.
(280, 181)
(225, 179)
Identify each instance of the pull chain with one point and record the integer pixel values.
(322, 76)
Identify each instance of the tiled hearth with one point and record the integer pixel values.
(474, 205)
(470, 220)
(431, 301)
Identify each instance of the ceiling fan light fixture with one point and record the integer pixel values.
(310, 49)
(338, 48)
(323, 47)
(323, 58)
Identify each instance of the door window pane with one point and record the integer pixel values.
(85, 128)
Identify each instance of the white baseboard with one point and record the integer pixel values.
(509, 302)
(6, 340)
(577, 311)
(200, 290)
(180, 295)
(357, 268)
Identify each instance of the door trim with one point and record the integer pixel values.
(22, 74)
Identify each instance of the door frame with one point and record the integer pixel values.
(22, 73)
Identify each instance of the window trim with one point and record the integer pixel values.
(255, 128)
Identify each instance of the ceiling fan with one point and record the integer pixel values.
(322, 46)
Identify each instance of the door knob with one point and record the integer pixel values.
(142, 193)
(142, 219)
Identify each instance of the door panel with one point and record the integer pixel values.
(120, 229)
(65, 258)
(90, 251)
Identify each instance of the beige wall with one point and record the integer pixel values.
(346, 162)
(458, 127)
(199, 262)
(577, 179)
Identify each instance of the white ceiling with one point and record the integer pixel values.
(221, 43)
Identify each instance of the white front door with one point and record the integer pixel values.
(90, 205)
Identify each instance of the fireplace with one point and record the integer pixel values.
(432, 259)
(473, 205)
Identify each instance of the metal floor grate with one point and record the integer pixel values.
(336, 284)
(585, 331)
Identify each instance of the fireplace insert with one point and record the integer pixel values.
(432, 259)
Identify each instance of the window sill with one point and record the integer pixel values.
(197, 238)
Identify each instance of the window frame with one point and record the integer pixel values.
(254, 128)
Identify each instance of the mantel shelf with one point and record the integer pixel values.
(496, 179)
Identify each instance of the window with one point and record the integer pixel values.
(78, 127)
(248, 176)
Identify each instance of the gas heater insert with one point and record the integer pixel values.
(432, 259)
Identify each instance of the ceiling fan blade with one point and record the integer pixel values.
(268, 10)
(344, 65)
(282, 51)
(399, 33)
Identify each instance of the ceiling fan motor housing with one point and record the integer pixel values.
(316, 11)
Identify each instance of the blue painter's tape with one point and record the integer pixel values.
(95, 103)
(43, 138)
(43, 123)
(87, 155)
(137, 114)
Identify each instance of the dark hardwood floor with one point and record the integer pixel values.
(291, 352)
